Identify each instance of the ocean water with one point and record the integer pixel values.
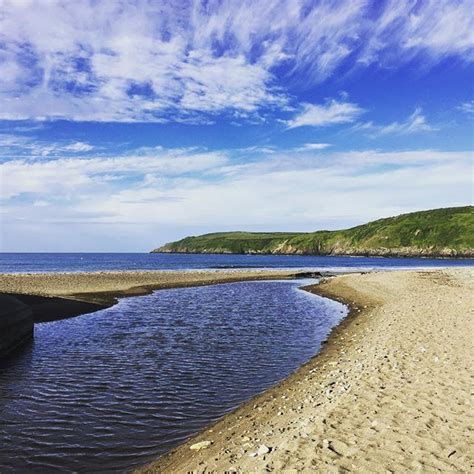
(76, 262)
(109, 391)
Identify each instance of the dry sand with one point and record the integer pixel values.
(390, 392)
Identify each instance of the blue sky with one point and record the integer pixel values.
(126, 124)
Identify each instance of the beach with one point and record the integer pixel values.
(389, 392)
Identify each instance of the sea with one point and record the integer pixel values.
(87, 262)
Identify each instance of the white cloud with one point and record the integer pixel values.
(314, 146)
(467, 107)
(14, 146)
(148, 61)
(40, 203)
(415, 123)
(331, 113)
(73, 176)
(78, 147)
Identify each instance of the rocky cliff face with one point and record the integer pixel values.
(340, 250)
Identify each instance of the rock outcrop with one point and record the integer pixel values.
(16, 324)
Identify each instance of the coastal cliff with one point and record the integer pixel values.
(445, 232)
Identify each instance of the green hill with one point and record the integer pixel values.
(445, 232)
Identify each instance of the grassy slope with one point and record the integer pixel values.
(442, 232)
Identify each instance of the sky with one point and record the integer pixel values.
(125, 124)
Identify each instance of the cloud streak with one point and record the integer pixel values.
(467, 107)
(415, 123)
(14, 146)
(46, 179)
(331, 113)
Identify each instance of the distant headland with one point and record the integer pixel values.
(447, 232)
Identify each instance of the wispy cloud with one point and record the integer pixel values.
(331, 113)
(78, 147)
(430, 30)
(467, 107)
(144, 61)
(415, 123)
(67, 176)
(314, 146)
(14, 145)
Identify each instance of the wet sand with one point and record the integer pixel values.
(390, 391)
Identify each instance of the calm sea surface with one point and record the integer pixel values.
(75, 262)
(111, 390)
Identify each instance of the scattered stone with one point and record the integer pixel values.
(263, 450)
(340, 448)
(200, 445)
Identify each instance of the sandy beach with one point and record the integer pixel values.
(389, 392)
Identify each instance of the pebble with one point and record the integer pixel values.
(340, 448)
(201, 445)
(263, 450)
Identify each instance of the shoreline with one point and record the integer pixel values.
(176, 460)
(368, 401)
(388, 254)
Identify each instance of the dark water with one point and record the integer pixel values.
(73, 262)
(111, 390)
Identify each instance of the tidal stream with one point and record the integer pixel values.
(109, 391)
